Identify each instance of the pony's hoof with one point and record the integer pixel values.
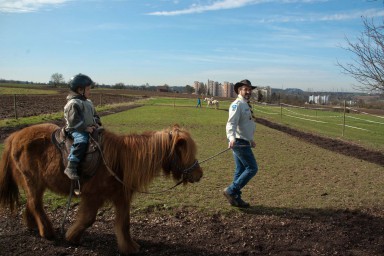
(72, 240)
(132, 248)
(50, 237)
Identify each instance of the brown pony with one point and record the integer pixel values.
(31, 161)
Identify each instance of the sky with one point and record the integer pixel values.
(277, 43)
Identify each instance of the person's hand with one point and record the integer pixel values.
(231, 144)
(90, 129)
(253, 144)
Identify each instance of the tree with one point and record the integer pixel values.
(368, 65)
(118, 86)
(202, 90)
(189, 89)
(57, 79)
(260, 96)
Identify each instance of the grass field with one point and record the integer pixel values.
(24, 90)
(292, 174)
(363, 129)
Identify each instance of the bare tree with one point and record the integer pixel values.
(368, 65)
(57, 79)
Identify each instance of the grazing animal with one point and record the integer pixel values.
(209, 102)
(216, 103)
(32, 162)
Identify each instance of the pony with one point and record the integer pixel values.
(216, 103)
(209, 102)
(32, 162)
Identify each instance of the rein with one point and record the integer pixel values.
(185, 171)
(68, 205)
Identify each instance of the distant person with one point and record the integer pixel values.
(198, 102)
(240, 130)
(81, 120)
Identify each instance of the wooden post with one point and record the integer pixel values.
(15, 105)
(100, 99)
(345, 103)
(281, 111)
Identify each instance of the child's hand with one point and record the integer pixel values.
(90, 129)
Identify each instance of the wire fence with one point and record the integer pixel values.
(337, 121)
(21, 105)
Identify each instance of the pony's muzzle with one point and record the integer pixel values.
(196, 174)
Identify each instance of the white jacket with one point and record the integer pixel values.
(240, 123)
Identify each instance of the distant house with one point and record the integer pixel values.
(368, 98)
(163, 88)
(318, 99)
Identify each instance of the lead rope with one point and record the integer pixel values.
(67, 208)
(118, 179)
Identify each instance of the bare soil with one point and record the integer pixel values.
(255, 231)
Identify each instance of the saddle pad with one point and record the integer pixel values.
(87, 168)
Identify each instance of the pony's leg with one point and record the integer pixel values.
(125, 242)
(85, 218)
(34, 214)
(29, 219)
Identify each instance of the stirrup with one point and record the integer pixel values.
(77, 190)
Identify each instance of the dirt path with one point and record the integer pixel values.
(186, 232)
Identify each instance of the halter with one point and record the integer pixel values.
(185, 173)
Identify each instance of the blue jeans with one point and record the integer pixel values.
(245, 166)
(79, 146)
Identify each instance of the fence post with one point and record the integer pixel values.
(100, 99)
(15, 105)
(342, 134)
(281, 111)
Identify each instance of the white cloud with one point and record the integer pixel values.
(217, 5)
(23, 6)
(371, 13)
(225, 4)
(315, 17)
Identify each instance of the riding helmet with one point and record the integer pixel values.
(81, 81)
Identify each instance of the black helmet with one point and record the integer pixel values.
(80, 80)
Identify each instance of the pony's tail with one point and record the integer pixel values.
(9, 191)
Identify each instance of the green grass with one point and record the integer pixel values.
(12, 122)
(366, 130)
(25, 90)
(292, 174)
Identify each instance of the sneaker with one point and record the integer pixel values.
(235, 200)
(71, 173)
(241, 203)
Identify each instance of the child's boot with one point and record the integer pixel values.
(71, 171)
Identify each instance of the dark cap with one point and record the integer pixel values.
(244, 82)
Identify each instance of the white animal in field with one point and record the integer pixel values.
(216, 103)
(209, 102)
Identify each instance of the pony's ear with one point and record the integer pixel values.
(175, 126)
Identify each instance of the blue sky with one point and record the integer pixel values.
(277, 43)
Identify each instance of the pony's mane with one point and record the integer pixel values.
(138, 158)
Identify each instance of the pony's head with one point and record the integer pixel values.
(181, 161)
